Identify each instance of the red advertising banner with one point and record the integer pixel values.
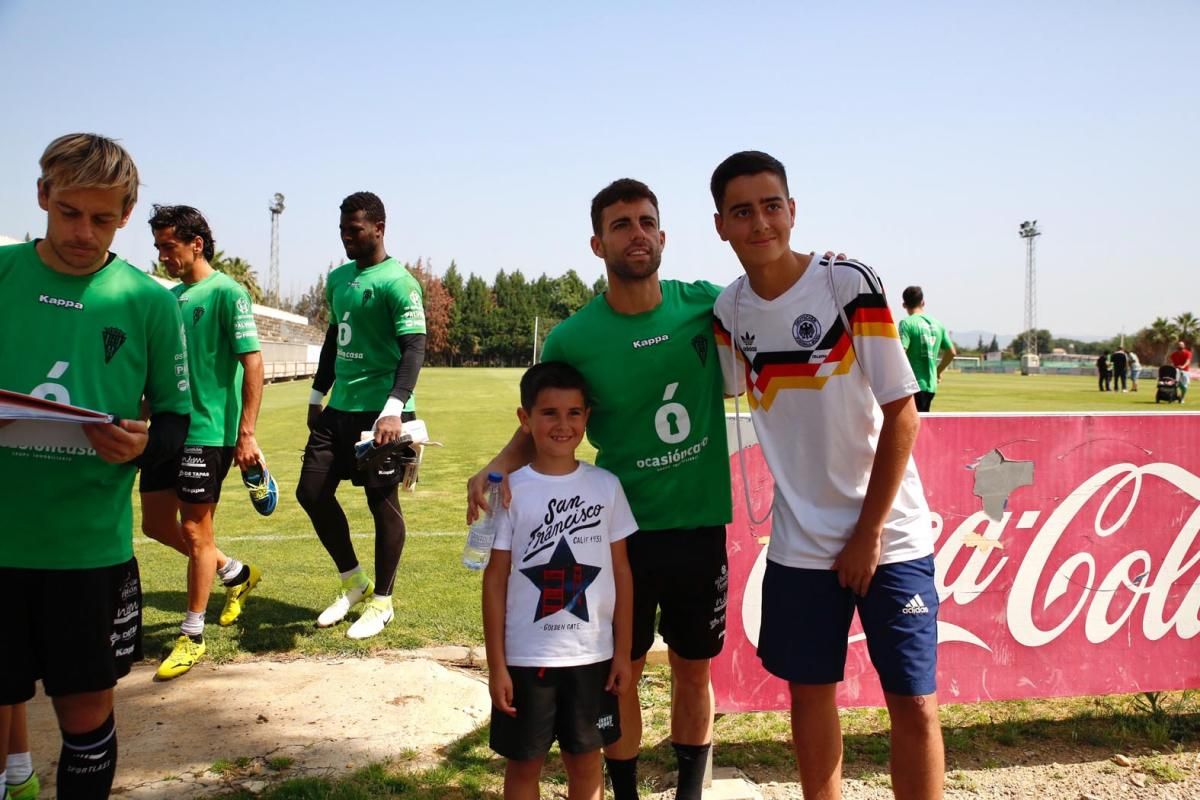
(1067, 556)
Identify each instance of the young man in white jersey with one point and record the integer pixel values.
(80, 326)
(812, 342)
(179, 498)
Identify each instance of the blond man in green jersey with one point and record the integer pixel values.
(80, 326)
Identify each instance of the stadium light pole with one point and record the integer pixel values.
(1028, 231)
(276, 209)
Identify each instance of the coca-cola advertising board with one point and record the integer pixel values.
(1066, 551)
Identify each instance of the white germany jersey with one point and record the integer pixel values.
(815, 396)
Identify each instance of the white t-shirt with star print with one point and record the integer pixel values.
(560, 529)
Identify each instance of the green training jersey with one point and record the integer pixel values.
(370, 307)
(220, 327)
(923, 339)
(100, 341)
(658, 412)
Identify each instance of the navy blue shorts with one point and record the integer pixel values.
(806, 619)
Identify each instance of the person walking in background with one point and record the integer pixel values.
(1135, 367)
(1102, 372)
(926, 344)
(1120, 362)
(1181, 359)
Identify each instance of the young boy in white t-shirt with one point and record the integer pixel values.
(812, 342)
(558, 597)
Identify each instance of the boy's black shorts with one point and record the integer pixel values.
(75, 630)
(330, 449)
(685, 571)
(564, 703)
(195, 473)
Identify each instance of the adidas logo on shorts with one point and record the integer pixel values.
(915, 606)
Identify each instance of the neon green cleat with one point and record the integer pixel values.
(236, 595)
(183, 657)
(26, 790)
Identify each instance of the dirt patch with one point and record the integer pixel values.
(218, 728)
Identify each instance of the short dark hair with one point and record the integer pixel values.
(366, 202)
(551, 375)
(187, 222)
(913, 297)
(747, 162)
(622, 190)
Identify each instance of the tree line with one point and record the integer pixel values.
(1152, 343)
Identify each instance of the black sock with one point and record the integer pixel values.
(88, 762)
(238, 579)
(692, 758)
(622, 773)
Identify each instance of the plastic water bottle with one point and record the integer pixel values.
(483, 531)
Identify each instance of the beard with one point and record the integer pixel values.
(621, 268)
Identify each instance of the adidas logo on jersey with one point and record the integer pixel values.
(915, 606)
(60, 302)
(747, 343)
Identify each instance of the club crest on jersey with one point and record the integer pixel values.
(700, 345)
(197, 313)
(243, 307)
(747, 342)
(806, 330)
(367, 295)
(113, 339)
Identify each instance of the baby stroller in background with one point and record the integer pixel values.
(1168, 385)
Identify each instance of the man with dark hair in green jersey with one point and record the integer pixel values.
(180, 497)
(647, 351)
(927, 345)
(83, 327)
(372, 355)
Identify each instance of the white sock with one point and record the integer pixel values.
(230, 570)
(345, 576)
(20, 767)
(193, 624)
(379, 596)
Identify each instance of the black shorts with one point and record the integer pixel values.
(564, 703)
(330, 449)
(685, 572)
(923, 400)
(75, 630)
(195, 473)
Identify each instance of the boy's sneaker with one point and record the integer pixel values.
(235, 596)
(184, 655)
(377, 612)
(26, 790)
(353, 591)
(264, 493)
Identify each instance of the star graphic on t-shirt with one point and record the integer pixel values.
(563, 583)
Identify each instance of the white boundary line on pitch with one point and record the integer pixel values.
(288, 537)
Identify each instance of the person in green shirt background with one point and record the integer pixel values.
(927, 345)
(224, 362)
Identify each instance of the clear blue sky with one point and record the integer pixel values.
(917, 135)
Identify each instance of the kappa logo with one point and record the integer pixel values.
(367, 295)
(806, 330)
(700, 345)
(653, 340)
(113, 339)
(915, 606)
(61, 302)
(747, 342)
(197, 313)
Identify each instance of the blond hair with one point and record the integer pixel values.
(89, 161)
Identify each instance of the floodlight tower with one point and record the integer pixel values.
(1029, 231)
(273, 277)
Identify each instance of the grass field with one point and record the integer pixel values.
(472, 411)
